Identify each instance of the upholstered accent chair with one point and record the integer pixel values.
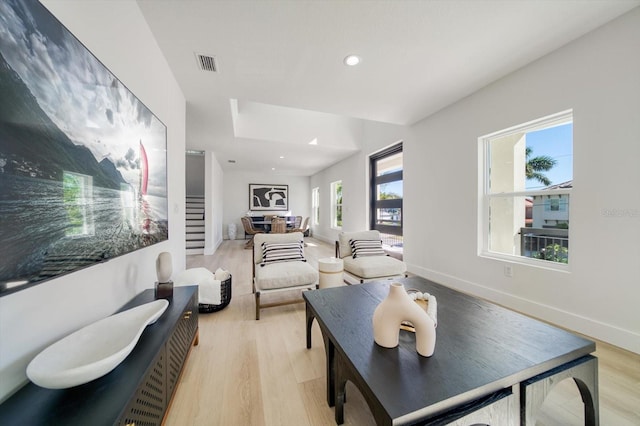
(364, 259)
(279, 265)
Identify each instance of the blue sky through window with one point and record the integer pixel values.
(557, 143)
(392, 187)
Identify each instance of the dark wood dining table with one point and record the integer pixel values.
(491, 365)
(260, 223)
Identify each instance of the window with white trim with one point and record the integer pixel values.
(527, 177)
(77, 192)
(336, 204)
(315, 206)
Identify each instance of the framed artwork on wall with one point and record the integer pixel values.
(265, 197)
(83, 162)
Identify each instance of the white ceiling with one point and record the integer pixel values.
(281, 63)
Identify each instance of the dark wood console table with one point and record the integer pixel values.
(138, 391)
(490, 366)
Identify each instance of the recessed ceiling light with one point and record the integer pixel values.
(273, 168)
(314, 141)
(352, 60)
(282, 156)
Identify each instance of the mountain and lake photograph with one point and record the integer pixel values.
(83, 174)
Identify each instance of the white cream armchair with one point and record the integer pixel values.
(364, 258)
(279, 265)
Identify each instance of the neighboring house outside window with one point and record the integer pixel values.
(552, 211)
(336, 204)
(527, 176)
(315, 206)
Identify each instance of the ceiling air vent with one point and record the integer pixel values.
(207, 62)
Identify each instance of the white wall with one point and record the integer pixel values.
(214, 202)
(195, 174)
(236, 196)
(597, 76)
(33, 318)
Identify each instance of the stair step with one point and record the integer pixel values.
(195, 244)
(195, 229)
(195, 224)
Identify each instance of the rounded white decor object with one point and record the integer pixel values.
(398, 306)
(164, 267)
(232, 231)
(94, 350)
(330, 272)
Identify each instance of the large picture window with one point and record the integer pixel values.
(336, 204)
(386, 195)
(527, 176)
(315, 206)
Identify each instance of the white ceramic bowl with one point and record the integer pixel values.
(94, 350)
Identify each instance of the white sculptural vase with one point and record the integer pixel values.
(392, 311)
(164, 267)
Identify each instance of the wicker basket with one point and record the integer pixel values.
(225, 298)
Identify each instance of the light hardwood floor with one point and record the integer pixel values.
(248, 372)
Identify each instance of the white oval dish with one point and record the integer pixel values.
(94, 350)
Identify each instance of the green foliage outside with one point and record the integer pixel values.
(554, 253)
(536, 165)
(389, 196)
(338, 189)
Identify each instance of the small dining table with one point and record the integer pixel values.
(266, 224)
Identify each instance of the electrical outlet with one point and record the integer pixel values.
(508, 271)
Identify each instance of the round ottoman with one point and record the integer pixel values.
(330, 270)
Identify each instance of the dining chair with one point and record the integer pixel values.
(297, 222)
(249, 230)
(278, 225)
(301, 227)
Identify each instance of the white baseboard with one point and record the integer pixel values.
(617, 336)
(212, 250)
(324, 238)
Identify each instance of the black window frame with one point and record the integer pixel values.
(374, 181)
